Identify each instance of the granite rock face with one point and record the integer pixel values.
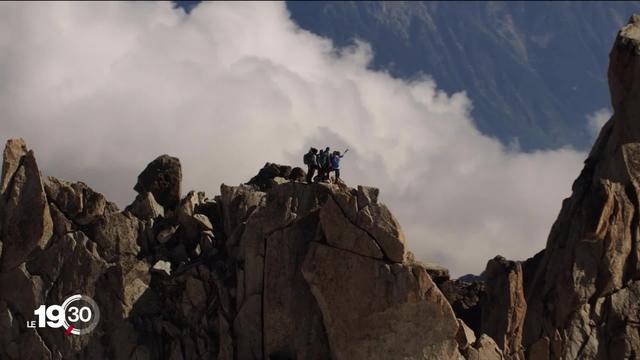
(577, 298)
(504, 306)
(26, 222)
(582, 302)
(276, 269)
(314, 282)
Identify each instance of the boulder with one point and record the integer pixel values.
(377, 220)
(270, 175)
(341, 233)
(162, 177)
(145, 207)
(417, 320)
(297, 174)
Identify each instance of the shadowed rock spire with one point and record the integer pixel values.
(26, 221)
(584, 299)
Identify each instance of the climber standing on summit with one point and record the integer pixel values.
(311, 160)
(334, 160)
(323, 164)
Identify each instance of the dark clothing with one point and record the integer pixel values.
(323, 165)
(323, 159)
(326, 169)
(311, 159)
(310, 172)
(337, 174)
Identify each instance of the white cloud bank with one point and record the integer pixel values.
(100, 89)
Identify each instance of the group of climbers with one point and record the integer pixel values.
(324, 162)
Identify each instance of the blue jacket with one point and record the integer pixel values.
(335, 161)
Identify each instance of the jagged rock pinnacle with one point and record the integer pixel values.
(583, 300)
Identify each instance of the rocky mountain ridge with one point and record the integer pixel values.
(275, 269)
(280, 269)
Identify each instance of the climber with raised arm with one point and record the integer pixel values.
(334, 159)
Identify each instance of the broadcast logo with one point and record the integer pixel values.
(78, 315)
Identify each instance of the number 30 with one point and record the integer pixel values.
(83, 314)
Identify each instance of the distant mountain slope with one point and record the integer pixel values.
(533, 70)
